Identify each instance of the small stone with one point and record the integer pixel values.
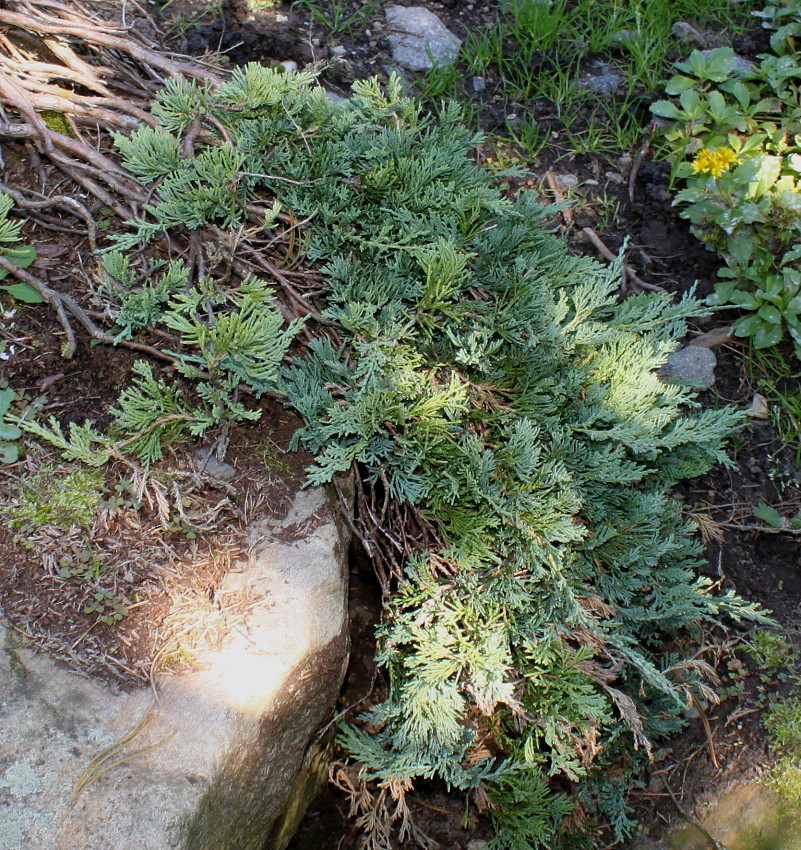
(692, 366)
(289, 65)
(759, 408)
(614, 177)
(419, 39)
(566, 181)
(478, 844)
(687, 34)
(622, 37)
(479, 84)
(334, 97)
(213, 467)
(338, 52)
(624, 164)
(605, 80)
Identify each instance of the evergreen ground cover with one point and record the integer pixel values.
(473, 368)
(485, 378)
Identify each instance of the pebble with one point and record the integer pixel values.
(604, 80)
(566, 181)
(691, 366)
(479, 84)
(338, 52)
(622, 37)
(213, 467)
(759, 408)
(624, 164)
(687, 34)
(289, 65)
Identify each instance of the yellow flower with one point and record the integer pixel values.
(714, 161)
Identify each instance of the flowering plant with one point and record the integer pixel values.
(714, 161)
(733, 138)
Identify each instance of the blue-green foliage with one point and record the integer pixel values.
(496, 383)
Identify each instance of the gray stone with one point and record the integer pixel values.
(479, 84)
(623, 37)
(742, 67)
(334, 97)
(566, 180)
(688, 34)
(213, 761)
(419, 39)
(692, 366)
(603, 79)
(213, 467)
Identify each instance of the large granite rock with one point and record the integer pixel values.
(210, 762)
(747, 816)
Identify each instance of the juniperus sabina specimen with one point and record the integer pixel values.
(495, 383)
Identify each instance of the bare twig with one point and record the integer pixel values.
(635, 168)
(63, 201)
(627, 271)
(36, 22)
(567, 212)
(690, 819)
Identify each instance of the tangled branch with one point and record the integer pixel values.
(71, 74)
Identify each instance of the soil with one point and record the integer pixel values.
(728, 742)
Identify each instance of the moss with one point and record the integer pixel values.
(54, 497)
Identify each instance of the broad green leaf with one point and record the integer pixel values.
(744, 300)
(766, 174)
(747, 326)
(770, 314)
(717, 104)
(23, 292)
(741, 248)
(690, 101)
(676, 85)
(22, 255)
(9, 432)
(769, 515)
(768, 335)
(6, 400)
(665, 109)
(9, 452)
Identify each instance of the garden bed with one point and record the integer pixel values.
(727, 743)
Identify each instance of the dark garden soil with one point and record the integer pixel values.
(177, 544)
